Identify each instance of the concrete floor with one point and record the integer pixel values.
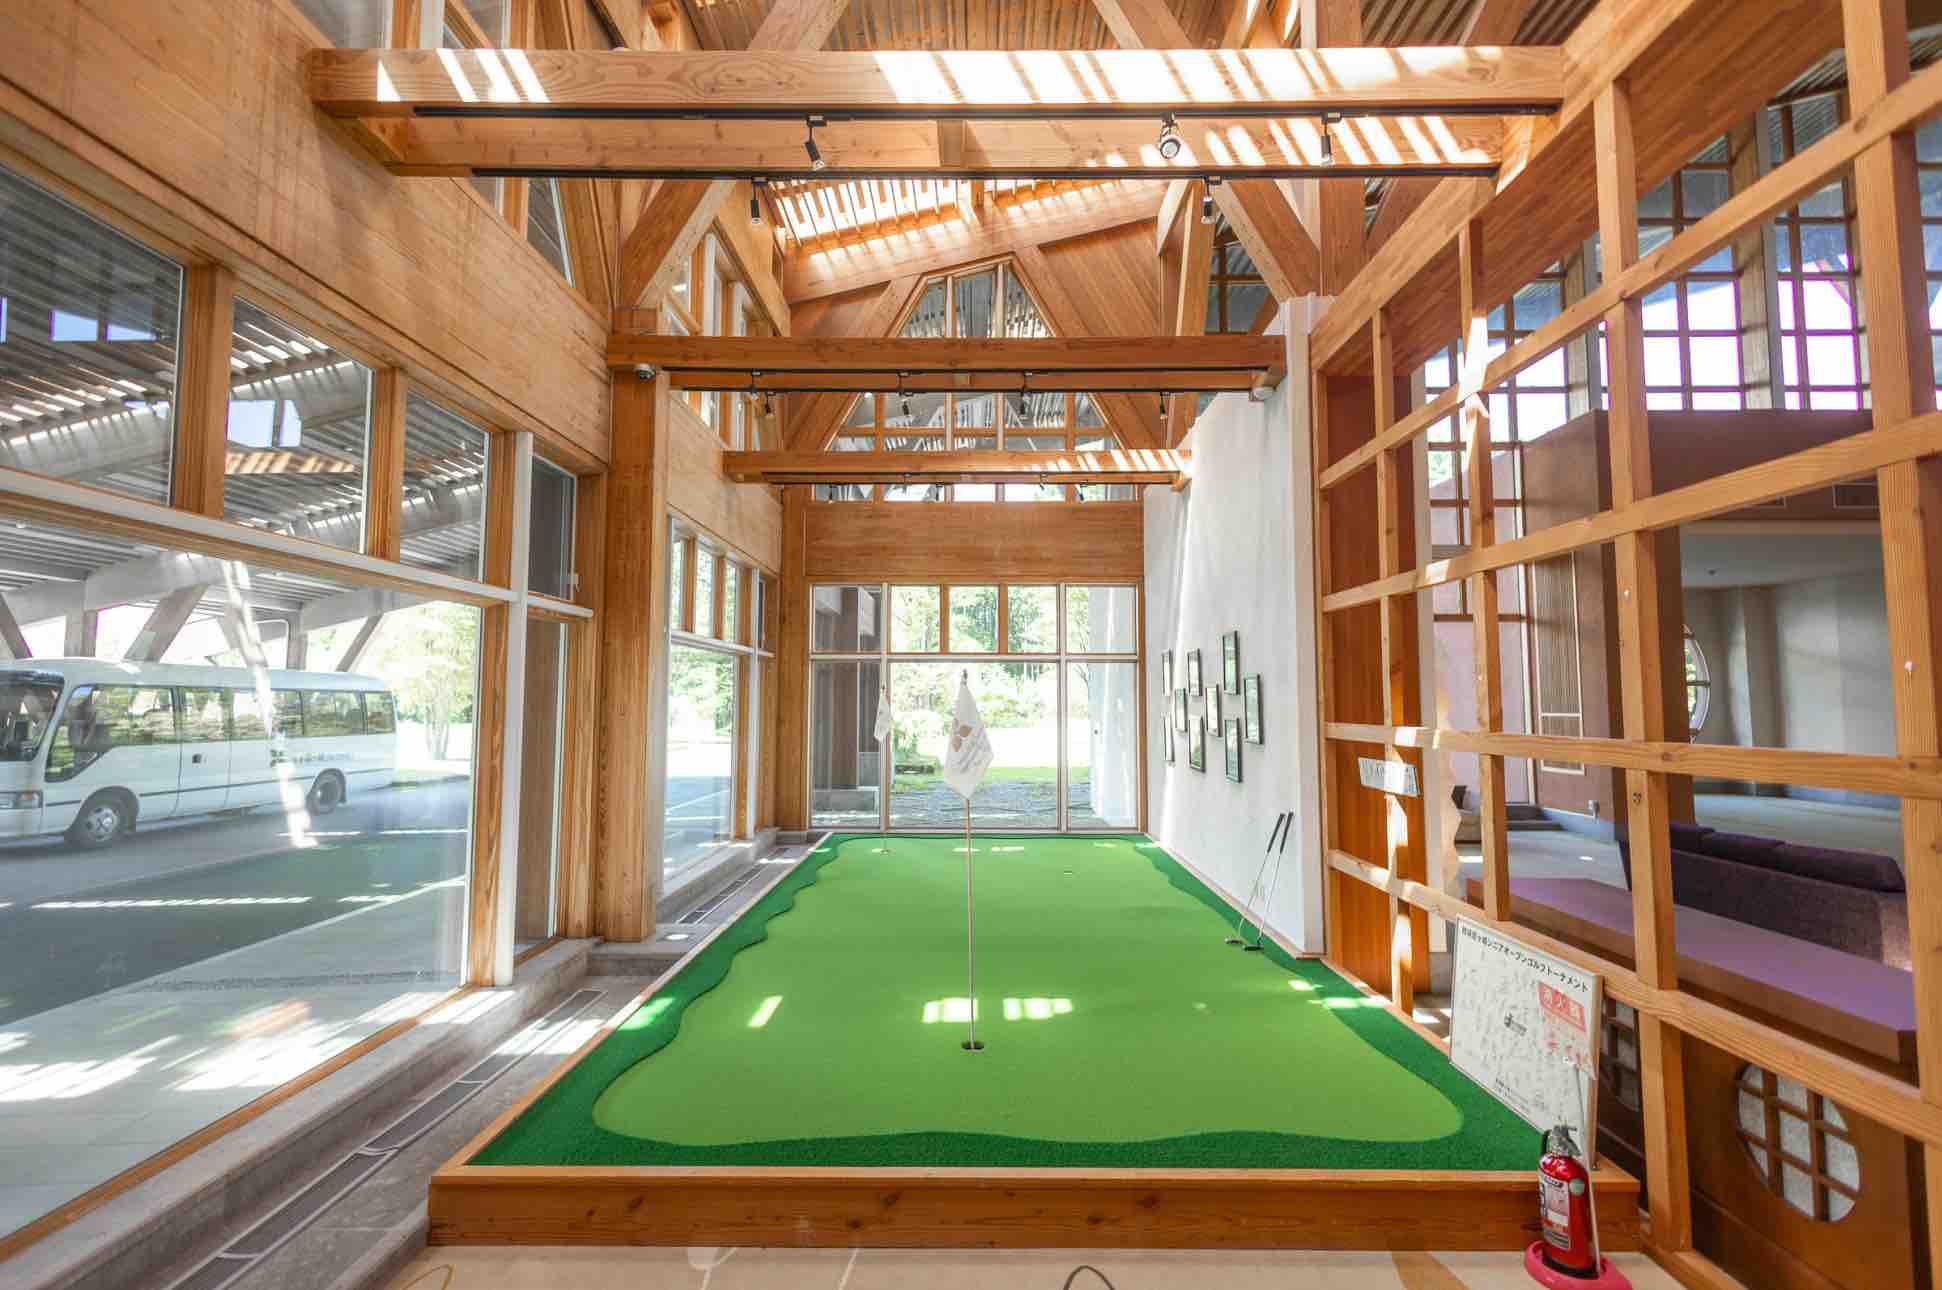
(466, 1268)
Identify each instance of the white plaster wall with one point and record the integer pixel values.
(1832, 667)
(1232, 553)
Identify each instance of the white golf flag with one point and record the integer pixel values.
(883, 713)
(968, 756)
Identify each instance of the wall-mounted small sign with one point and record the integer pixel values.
(1398, 777)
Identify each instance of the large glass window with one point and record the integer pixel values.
(1235, 290)
(299, 414)
(445, 489)
(296, 879)
(1820, 336)
(701, 754)
(88, 323)
(546, 224)
(1006, 640)
(348, 24)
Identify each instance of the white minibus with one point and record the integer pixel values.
(89, 747)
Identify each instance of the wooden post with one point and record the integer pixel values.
(384, 467)
(202, 389)
(1486, 640)
(580, 754)
(1643, 681)
(633, 668)
(792, 666)
(499, 710)
(1889, 230)
(1398, 627)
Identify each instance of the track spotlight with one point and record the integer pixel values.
(809, 143)
(1166, 401)
(903, 405)
(768, 406)
(1169, 144)
(1328, 137)
(755, 201)
(1207, 200)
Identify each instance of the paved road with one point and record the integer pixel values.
(175, 895)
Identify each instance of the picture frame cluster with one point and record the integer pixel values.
(1232, 707)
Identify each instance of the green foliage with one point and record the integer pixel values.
(429, 655)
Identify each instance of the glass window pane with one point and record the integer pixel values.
(731, 591)
(1019, 702)
(445, 489)
(1102, 742)
(677, 577)
(845, 760)
(974, 620)
(863, 412)
(298, 418)
(704, 620)
(1023, 321)
(701, 754)
(846, 620)
(1031, 620)
(491, 17)
(87, 347)
(927, 319)
(550, 564)
(279, 902)
(977, 413)
(974, 295)
(914, 620)
(348, 24)
(1712, 305)
(1101, 620)
(542, 731)
(546, 224)
(1244, 301)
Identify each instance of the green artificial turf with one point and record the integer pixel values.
(824, 1026)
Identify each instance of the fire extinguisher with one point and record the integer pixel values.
(1564, 1195)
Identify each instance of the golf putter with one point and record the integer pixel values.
(1273, 882)
(1235, 938)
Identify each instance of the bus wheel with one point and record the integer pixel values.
(327, 794)
(103, 818)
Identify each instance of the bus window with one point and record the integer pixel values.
(101, 717)
(247, 706)
(289, 712)
(203, 718)
(26, 705)
(332, 712)
(380, 714)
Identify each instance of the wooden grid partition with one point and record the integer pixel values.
(1376, 890)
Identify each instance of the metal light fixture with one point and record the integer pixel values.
(1329, 122)
(816, 161)
(1207, 199)
(1169, 145)
(1165, 402)
(903, 399)
(1024, 388)
(755, 200)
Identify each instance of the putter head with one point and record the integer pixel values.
(1233, 940)
(1251, 949)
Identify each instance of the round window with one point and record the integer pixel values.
(1699, 685)
(1798, 1142)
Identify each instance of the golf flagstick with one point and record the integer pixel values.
(1274, 880)
(1247, 908)
(966, 758)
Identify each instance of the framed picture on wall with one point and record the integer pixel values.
(1180, 710)
(1230, 662)
(1233, 744)
(1193, 673)
(1166, 739)
(1251, 706)
(1197, 744)
(1214, 709)
(1166, 672)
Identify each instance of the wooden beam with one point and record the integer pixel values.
(1338, 206)
(1143, 466)
(202, 390)
(572, 148)
(679, 212)
(1007, 227)
(633, 666)
(783, 73)
(1005, 381)
(1257, 210)
(814, 422)
(1188, 266)
(792, 664)
(1492, 22)
(384, 474)
(1888, 225)
(770, 354)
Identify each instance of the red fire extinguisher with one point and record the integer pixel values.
(1564, 1190)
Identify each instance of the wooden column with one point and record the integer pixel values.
(746, 704)
(792, 667)
(1753, 267)
(202, 389)
(1400, 684)
(1336, 24)
(633, 663)
(580, 755)
(1486, 639)
(384, 466)
(499, 710)
(1889, 230)
(1643, 681)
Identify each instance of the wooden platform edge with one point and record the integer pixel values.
(1010, 1208)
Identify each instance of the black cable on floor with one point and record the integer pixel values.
(1087, 1267)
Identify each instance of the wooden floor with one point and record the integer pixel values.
(1007, 1208)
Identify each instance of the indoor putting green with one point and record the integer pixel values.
(824, 1027)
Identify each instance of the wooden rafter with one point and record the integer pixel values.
(1089, 354)
(1126, 466)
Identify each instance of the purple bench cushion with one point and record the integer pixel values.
(1848, 868)
(1685, 836)
(1740, 848)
